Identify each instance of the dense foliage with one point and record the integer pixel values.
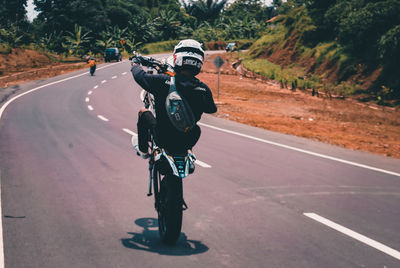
(368, 29)
(88, 26)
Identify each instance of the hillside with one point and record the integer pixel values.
(290, 53)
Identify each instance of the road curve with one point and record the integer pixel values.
(73, 192)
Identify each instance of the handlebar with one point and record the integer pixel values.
(160, 66)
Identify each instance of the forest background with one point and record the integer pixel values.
(342, 47)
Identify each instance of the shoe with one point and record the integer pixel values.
(135, 145)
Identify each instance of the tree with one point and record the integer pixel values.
(76, 40)
(12, 11)
(205, 10)
(62, 15)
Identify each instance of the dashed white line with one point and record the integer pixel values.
(130, 132)
(103, 81)
(202, 164)
(2, 109)
(87, 99)
(90, 107)
(90, 92)
(372, 243)
(303, 151)
(114, 77)
(124, 73)
(96, 86)
(103, 118)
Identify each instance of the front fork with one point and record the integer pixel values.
(151, 167)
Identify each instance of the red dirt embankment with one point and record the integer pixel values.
(265, 104)
(25, 65)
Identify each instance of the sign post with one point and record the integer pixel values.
(218, 62)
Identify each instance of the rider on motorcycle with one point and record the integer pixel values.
(188, 59)
(92, 64)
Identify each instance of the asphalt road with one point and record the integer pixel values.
(73, 192)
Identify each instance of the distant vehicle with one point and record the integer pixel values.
(112, 54)
(231, 47)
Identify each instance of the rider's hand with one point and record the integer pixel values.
(137, 60)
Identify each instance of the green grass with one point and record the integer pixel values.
(286, 76)
(159, 47)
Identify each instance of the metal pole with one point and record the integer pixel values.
(218, 84)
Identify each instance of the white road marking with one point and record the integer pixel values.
(202, 164)
(87, 99)
(2, 109)
(103, 118)
(90, 92)
(96, 86)
(130, 132)
(124, 73)
(372, 243)
(114, 77)
(90, 107)
(303, 151)
(1, 231)
(103, 81)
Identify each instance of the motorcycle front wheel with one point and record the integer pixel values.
(170, 209)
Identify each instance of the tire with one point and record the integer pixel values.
(170, 209)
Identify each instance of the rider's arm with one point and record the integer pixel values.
(149, 82)
(208, 101)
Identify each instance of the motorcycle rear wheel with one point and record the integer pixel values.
(170, 209)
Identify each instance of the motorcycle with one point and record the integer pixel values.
(92, 65)
(92, 70)
(166, 170)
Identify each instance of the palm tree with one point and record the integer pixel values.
(205, 10)
(167, 25)
(76, 40)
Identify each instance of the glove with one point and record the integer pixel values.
(137, 60)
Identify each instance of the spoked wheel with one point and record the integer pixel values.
(170, 209)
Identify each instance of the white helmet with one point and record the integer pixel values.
(188, 54)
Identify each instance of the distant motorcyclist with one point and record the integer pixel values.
(92, 64)
(188, 60)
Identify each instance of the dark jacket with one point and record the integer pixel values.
(197, 94)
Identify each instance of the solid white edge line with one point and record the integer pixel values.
(130, 132)
(90, 107)
(202, 164)
(90, 92)
(372, 243)
(103, 118)
(1, 231)
(303, 151)
(2, 109)
(87, 99)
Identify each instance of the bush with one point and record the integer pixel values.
(5, 49)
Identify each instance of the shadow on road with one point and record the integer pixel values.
(149, 240)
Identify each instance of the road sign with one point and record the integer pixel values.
(218, 62)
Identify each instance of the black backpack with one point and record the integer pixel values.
(178, 109)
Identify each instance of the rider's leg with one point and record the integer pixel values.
(193, 137)
(146, 122)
